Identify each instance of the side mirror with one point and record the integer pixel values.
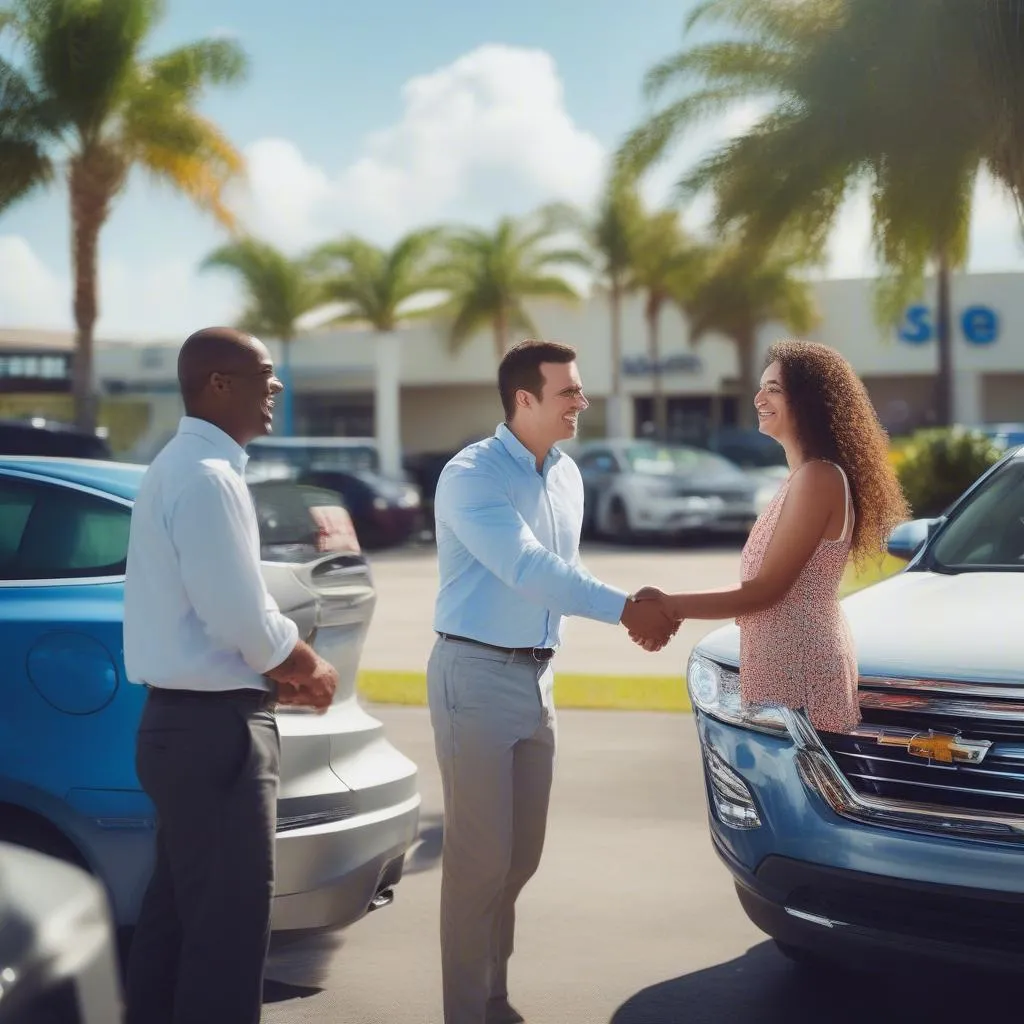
(906, 540)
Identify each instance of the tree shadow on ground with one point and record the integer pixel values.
(762, 987)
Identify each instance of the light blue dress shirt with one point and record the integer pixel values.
(508, 547)
(197, 613)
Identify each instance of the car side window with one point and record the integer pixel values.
(599, 462)
(52, 532)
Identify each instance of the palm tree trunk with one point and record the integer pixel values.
(944, 344)
(746, 345)
(94, 177)
(288, 395)
(615, 420)
(501, 333)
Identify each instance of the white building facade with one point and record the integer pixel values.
(441, 399)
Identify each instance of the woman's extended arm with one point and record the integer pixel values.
(816, 491)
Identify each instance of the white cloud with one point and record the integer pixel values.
(135, 301)
(30, 294)
(486, 135)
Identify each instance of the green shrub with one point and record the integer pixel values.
(937, 466)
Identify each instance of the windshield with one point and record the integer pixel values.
(988, 533)
(668, 460)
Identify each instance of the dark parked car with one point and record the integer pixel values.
(385, 512)
(49, 437)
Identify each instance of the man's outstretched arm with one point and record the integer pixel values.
(478, 509)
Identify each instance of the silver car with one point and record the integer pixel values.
(57, 948)
(349, 802)
(637, 488)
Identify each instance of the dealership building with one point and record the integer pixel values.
(435, 399)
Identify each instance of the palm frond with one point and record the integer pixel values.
(189, 152)
(188, 69)
(722, 64)
(649, 143)
(24, 166)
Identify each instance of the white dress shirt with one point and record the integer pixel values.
(197, 613)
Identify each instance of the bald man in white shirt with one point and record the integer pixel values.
(205, 637)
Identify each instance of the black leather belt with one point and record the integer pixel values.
(262, 698)
(537, 653)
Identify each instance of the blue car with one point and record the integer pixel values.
(349, 802)
(907, 835)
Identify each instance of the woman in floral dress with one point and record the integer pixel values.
(841, 498)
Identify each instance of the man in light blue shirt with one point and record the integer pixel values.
(509, 512)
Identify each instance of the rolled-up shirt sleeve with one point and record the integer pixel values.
(478, 509)
(210, 527)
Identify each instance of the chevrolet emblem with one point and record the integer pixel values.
(938, 746)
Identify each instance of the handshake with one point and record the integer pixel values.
(648, 619)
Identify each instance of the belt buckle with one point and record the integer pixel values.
(533, 653)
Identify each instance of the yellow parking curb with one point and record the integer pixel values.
(572, 690)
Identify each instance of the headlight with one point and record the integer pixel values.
(409, 498)
(716, 691)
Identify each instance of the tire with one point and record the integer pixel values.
(23, 828)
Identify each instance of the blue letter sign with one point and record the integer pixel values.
(979, 325)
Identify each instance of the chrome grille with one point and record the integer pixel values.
(986, 773)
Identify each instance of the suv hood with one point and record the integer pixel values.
(926, 625)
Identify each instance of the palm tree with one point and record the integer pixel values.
(863, 90)
(489, 274)
(85, 102)
(664, 264)
(383, 288)
(278, 291)
(735, 293)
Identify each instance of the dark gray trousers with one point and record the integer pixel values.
(211, 765)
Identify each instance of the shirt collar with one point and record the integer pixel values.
(225, 446)
(519, 451)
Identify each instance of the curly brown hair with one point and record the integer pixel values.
(835, 420)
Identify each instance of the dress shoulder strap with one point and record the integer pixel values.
(847, 501)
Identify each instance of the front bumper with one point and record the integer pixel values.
(809, 877)
(677, 515)
(859, 918)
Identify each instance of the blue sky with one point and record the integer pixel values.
(378, 117)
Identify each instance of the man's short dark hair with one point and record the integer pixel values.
(520, 369)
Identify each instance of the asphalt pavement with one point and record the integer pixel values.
(631, 918)
(400, 635)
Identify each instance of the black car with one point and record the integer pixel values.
(49, 437)
(385, 511)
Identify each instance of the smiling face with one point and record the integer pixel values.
(246, 392)
(774, 416)
(554, 416)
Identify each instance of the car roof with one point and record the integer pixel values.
(118, 478)
(313, 442)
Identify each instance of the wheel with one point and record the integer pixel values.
(25, 829)
(618, 521)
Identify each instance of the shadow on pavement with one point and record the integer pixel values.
(299, 966)
(278, 992)
(762, 987)
(426, 852)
